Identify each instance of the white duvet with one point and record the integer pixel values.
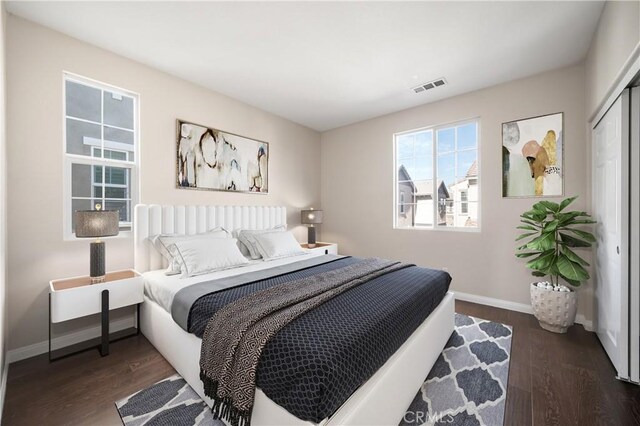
(162, 288)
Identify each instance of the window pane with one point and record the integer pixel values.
(115, 155)
(122, 206)
(111, 192)
(445, 206)
(97, 174)
(446, 169)
(424, 211)
(118, 110)
(471, 220)
(404, 146)
(80, 180)
(120, 140)
(446, 140)
(463, 214)
(405, 214)
(405, 192)
(467, 136)
(415, 169)
(82, 136)
(424, 144)
(82, 101)
(472, 192)
(116, 175)
(423, 189)
(466, 164)
(97, 191)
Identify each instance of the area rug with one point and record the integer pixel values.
(467, 386)
(468, 383)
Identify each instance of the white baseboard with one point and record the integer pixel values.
(39, 348)
(513, 306)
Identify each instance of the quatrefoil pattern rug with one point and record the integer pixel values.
(466, 386)
(468, 383)
(169, 402)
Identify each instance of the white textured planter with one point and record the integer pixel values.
(555, 310)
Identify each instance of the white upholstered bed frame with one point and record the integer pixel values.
(382, 400)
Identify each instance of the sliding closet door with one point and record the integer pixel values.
(634, 237)
(610, 209)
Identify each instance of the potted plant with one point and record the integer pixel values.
(553, 234)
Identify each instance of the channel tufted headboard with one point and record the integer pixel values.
(153, 219)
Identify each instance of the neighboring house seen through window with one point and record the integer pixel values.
(101, 138)
(436, 177)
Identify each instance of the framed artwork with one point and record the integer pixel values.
(532, 157)
(214, 160)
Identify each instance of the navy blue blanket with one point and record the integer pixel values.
(317, 361)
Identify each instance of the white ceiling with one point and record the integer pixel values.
(328, 64)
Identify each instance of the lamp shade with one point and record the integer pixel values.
(97, 223)
(311, 217)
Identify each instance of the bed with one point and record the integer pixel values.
(382, 399)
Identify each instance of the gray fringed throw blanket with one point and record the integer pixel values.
(236, 335)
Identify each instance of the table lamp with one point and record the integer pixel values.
(96, 224)
(311, 217)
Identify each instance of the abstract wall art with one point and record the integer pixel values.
(532, 157)
(214, 160)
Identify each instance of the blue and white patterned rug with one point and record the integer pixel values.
(468, 383)
(467, 386)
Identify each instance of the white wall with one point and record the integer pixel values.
(357, 184)
(617, 36)
(36, 59)
(3, 211)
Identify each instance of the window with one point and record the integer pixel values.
(101, 141)
(464, 205)
(436, 177)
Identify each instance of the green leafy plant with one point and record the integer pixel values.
(553, 234)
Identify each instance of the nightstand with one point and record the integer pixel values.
(325, 248)
(76, 297)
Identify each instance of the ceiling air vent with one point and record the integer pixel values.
(430, 85)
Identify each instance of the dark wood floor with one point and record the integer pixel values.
(553, 380)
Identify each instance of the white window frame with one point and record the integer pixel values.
(434, 178)
(70, 159)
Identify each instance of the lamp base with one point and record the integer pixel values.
(311, 237)
(97, 262)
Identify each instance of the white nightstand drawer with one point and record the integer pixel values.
(325, 248)
(77, 297)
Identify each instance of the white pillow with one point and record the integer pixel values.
(243, 249)
(163, 243)
(275, 245)
(247, 238)
(200, 256)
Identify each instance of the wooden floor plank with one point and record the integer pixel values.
(82, 389)
(554, 379)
